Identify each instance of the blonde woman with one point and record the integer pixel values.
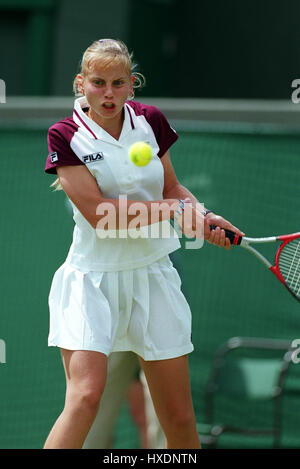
(116, 293)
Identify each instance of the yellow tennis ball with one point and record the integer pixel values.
(140, 153)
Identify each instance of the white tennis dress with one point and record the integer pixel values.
(117, 293)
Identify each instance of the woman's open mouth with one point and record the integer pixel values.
(109, 106)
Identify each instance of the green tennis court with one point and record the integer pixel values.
(247, 175)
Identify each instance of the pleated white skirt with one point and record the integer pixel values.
(141, 310)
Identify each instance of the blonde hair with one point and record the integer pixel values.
(108, 52)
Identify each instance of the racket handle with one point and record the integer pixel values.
(233, 237)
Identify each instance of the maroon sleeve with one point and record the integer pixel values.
(164, 134)
(60, 152)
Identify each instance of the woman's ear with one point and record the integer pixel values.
(132, 83)
(80, 83)
(131, 91)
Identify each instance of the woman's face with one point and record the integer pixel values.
(106, 91)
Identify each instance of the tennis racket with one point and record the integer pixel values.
(287, 260)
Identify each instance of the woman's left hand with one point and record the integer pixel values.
(217, 236)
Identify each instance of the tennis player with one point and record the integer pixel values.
(120, 293)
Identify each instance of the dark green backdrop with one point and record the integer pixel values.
(226, 49)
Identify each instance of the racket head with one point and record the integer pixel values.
(287, 263)
(287, 260)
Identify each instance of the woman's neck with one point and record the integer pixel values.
(112, 126)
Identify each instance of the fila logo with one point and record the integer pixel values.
(53, 157)
(93, 157)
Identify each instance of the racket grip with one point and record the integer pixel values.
(233, 237)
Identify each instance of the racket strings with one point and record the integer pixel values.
(289, 265)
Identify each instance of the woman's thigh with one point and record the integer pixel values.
(169, 385)
(85, 371)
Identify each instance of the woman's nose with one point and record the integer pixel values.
(108, 91)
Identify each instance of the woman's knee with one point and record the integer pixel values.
(181, 419)
(85, 397)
